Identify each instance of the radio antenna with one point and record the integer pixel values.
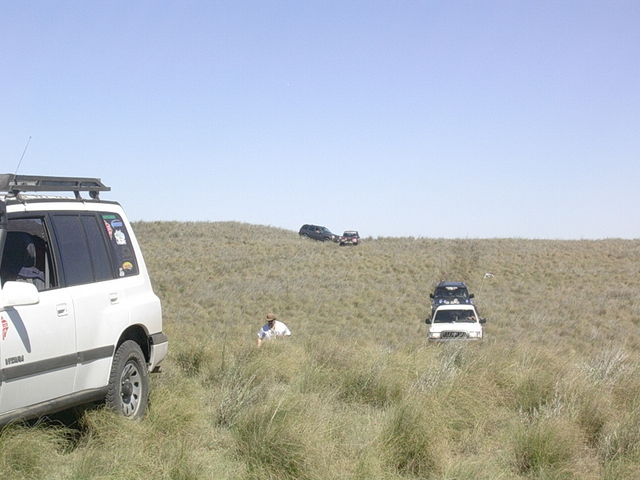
(25, 151)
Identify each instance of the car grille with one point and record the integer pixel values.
(453, 335)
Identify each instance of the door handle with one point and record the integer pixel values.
(113, 298)
(62, 310)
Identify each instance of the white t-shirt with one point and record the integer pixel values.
(279, 329)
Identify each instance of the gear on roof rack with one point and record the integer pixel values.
(36, 183)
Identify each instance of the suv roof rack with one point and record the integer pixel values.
(15, 184)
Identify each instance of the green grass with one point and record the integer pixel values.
(552, 392)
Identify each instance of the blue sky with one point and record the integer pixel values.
(396, 118)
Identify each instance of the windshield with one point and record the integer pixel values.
(452, 292)
(452, 316)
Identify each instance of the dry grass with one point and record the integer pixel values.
(357, 392)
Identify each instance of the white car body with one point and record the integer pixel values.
(455, 322)
(59, 340)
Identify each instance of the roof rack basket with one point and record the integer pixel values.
(36, 183)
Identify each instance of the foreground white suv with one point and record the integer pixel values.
(78, 317)
(451, 322)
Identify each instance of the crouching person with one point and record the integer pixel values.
(272, 329)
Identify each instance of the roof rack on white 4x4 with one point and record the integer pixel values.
(15, 184)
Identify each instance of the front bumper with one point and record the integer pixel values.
(453, 335)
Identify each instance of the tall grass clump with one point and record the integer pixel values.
(414, 440)
(621, 439)
(545, 448)
(273, 441)
(35, 452)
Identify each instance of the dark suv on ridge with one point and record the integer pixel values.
(317, 232)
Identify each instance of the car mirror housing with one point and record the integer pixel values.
(19, 293)
(483, 320)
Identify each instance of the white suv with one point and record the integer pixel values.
(451, 322)
(78, 317)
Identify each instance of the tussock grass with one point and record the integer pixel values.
(545, 448)
(30, 452)
(415, 439)
(357, 392)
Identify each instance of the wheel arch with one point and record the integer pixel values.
(138, 334)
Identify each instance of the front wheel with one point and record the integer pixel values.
(128, 382)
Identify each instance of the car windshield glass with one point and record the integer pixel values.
(325, 230)
(452, 292)
(451, 316)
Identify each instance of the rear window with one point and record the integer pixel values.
(452, 292)
(120, 240)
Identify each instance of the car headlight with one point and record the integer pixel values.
(475, 334)
(434, 334)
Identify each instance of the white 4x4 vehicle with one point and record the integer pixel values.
(450, 322)
(79, 321)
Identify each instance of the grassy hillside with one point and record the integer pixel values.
(552, 392)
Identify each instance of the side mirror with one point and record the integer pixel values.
(19, 293)
(472, 296)
(428, 321)
(431, 295)
(483, 320)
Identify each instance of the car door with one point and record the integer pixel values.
(38, 352)
(98, 294)
(38, 340)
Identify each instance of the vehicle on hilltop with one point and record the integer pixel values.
(317, 232)
(349, 237)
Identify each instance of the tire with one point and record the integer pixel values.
(128, 392)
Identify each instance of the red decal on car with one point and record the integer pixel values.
(5, 328)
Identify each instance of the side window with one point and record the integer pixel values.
(126, 264)
(27, 253)
(83, 252)
(75, 259)
(100, 257)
